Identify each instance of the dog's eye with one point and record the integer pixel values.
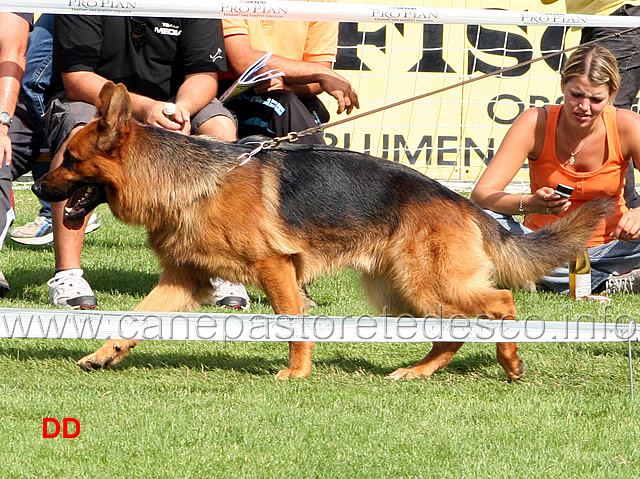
(69, 160)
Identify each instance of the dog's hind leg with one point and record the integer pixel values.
(384, 295)
(277, 277)
(176, 291)
(440, 356)
(503, 307)
(495, 304)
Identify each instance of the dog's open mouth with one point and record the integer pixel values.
(81, 203)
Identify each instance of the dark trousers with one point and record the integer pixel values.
(277, 113)
(25, 147)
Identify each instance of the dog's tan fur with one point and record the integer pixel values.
(421, 247)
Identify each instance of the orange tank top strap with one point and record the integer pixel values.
(613, 138)
(549, 145)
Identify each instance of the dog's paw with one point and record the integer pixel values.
(93, 362)
(110, 353)
(517, 373)
(404, 373)
(292, 373)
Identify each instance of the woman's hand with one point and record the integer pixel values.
(628, 228)
(546, 201)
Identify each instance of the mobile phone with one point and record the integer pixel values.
(563, 190)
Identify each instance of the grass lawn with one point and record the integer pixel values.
(199, 409)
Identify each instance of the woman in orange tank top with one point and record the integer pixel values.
(586, 144)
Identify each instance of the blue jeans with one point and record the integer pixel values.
(611, 259)
(36, 79)
(37, 73)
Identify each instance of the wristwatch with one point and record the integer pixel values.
(5, 118)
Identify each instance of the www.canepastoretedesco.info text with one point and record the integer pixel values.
(259, 327)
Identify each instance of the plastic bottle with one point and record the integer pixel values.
(169, 111)
(580, 276)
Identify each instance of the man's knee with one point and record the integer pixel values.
(221, 127)
(57, 158)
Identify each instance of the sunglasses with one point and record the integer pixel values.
(138, 32)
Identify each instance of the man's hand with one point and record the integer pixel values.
(14, 35)
(339, 88)
(272, 84)
(152, 114)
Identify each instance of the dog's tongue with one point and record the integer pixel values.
(74, 224)
(73, 218)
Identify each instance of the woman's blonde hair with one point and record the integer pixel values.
(596, 63)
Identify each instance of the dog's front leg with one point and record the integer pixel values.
(109, 354)
(299, 360)
(176, 291)
(278, 280)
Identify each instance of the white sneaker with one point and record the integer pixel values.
(68, 289)
(40, 231)
(35, 233)
(93, 223)
(625, 283)
(231, 295)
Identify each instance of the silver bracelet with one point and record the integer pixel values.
(520, 205)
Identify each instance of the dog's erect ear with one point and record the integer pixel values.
(104, 97)
(114, 112)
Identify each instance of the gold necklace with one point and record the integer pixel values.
(572, 158)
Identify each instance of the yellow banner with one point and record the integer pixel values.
(450, 135)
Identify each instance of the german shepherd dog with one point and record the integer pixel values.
(293, 213)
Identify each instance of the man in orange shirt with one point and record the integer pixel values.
(304, 51)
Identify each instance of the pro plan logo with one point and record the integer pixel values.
(51, 428)
(100, 5)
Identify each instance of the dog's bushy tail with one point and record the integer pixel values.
(521, 258)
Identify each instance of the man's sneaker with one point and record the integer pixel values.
(626, 283)
(4, 285)
(93, 223)
(68, 289)
(231, 295)
(40, 231)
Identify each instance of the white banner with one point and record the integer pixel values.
(340, 12)
(56, 324)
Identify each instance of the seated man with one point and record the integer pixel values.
(14, 34)
(159, 60)
(35, 82)
(304, 52)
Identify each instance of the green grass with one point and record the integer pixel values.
(197, 409)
